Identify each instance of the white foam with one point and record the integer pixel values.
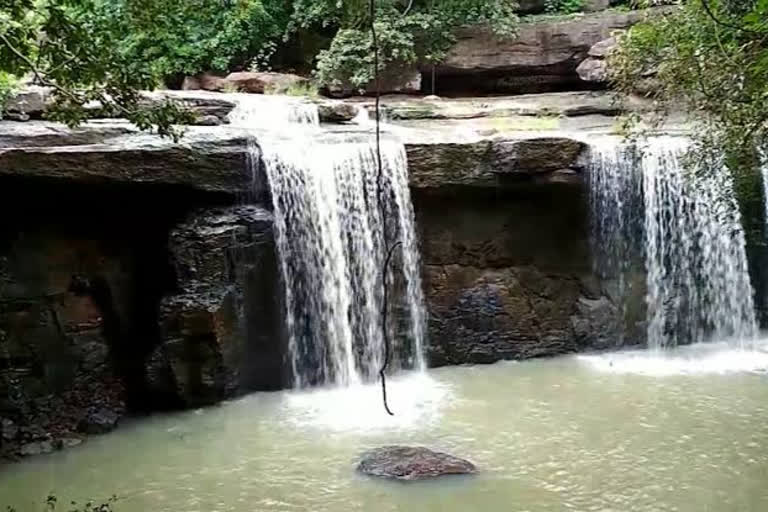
(415, 398)
(700, 358)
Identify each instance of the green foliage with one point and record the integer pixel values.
(304, 89)
(196, 35)
(8, 86)
(710, 60)
(76, 49)
(420, 34)
(564, 6)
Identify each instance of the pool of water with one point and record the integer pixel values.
(627, 431)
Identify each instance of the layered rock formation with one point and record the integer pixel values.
(543, 56)
(220, 330)
(132, 279)
(507, 273)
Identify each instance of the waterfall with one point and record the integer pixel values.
(329, 234)
(693, 244)
(272, 111)
(764, 173)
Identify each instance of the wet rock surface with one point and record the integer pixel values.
(412, 463)
(99, 421)
(331, 111)
(566, 104)
(508, 275)
(489, 163)
(212, 346)
(81, 275)
(129, 277)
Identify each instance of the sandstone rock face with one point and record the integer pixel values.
(76, 306)
(216, 159)
(213, 347)
(560, 104)
(595, 68)
(507, 274)
(412, 463)
(211, 109)
(543, 57)
(206, 82)
(32, 102)
(101, 154)
(263, 82)
(489, 163)
(29, 103)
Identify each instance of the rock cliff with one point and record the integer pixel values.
(136, 273)
(542, 57)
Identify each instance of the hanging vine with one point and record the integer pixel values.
(382, 212)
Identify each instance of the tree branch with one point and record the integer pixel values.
(408, 8)
(382, 210)
(711, 14)
(39, 75)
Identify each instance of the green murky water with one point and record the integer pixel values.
(618, 432)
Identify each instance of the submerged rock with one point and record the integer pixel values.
(36, 448)
(99, 422)
(412, 463)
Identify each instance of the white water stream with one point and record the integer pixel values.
(330, 237)
(693, 245)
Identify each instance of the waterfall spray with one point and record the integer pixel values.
(337, 199)
(698, 286)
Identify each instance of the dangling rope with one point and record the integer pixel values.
(382, 212)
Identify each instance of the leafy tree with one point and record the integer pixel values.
(75, 47)
(564, 6)
(415, 32)
(196, 35)
(708, 59)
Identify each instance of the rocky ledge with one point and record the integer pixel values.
(208, 159)
(218, 158)
(543, 57)
(133, 273)
(412, 463)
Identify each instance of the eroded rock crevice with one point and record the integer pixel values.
(84, 267)
(508, 274)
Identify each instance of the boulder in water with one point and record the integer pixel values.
(99, 422)
(333, 111)
(412, 463)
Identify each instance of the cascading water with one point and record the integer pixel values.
(698, 286)
(764, 173)
(272, 111)
(330, 237)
